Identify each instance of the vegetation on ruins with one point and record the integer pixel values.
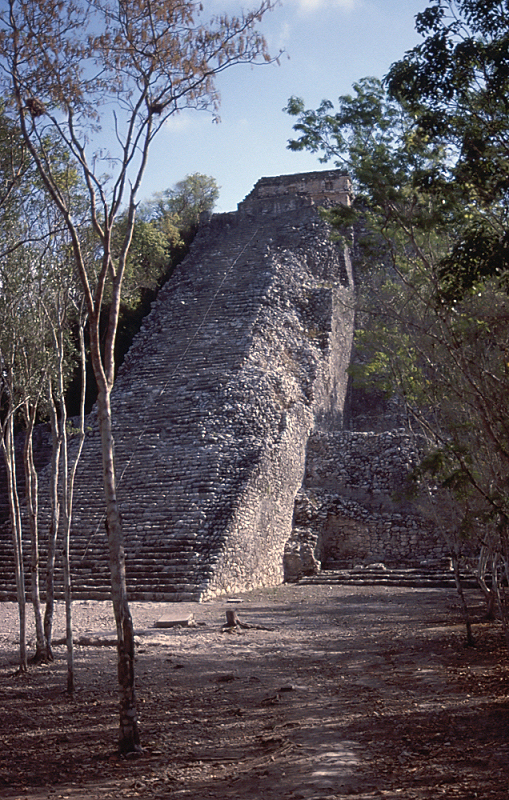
(101, 78)
(176, 212)
(427, 151)
(164, 227)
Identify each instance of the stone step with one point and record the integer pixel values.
(95, 593)
(411, 577)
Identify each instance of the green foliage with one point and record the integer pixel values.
(149, 259)
(36, 290)
(481, 253)
(429, 160)
(162, 233)
(176, 212)
(37, 286)
(370, 134)
(456, 85)
(13, 167)
(388, 161)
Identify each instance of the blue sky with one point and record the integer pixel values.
(329, 44)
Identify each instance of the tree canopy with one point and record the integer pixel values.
(427, 151)
(181, 207)
(456, 86)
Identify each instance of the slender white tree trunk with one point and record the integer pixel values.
(69, 479)
(17, 540)
(31, 494)
(129, 740)
(66, 540)
(54, 524)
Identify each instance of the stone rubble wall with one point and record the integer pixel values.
(354, 506)
(287, 192)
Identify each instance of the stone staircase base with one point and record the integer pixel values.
(433, 578)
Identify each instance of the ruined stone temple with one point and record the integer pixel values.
(234, 470)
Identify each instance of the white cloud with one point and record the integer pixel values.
(186, 121)
(284, 36)
(303, 5)
(315, 5)
(178, 123)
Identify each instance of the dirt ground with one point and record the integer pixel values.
(364, 692)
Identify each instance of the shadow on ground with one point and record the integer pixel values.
(337, 692)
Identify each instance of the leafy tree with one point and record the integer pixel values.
(456, 85)
(64, 315)
(65, 306)
(364, 135)
(23, 339)
(36, 279)
(427, 334)
(9, 408)
(25, 363)
(180, 208)
(90, 71)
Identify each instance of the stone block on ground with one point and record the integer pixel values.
(175, 616)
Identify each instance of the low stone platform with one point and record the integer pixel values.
(431, 578)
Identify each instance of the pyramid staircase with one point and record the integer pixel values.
(197, 321)
(207, 407)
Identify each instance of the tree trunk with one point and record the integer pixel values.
(17, 540)
(232, 619)
(53, 530)
(500, 598)
(489, 594)
(31, 492)
(461, 594)
(129, 740)
(68, 488)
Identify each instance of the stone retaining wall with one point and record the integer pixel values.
(354, 505)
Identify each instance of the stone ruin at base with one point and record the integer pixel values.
(234, 467)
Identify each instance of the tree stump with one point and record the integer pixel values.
(232, 620)
(233, 623)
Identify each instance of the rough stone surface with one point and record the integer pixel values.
(353, 506)
(234, 471)
(244, 353)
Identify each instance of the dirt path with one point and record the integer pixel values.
(362, 692)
